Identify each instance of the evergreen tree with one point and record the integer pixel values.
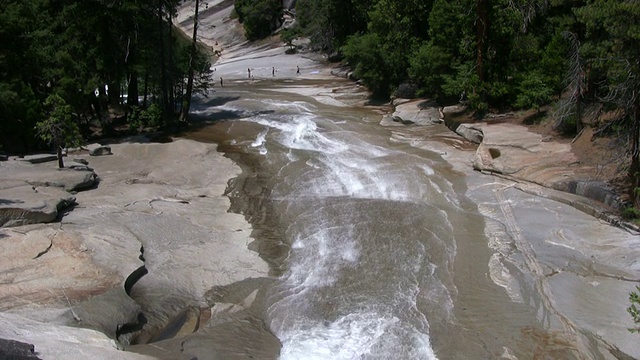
(59, 128)
(613, 31)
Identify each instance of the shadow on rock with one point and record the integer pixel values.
(8, 202)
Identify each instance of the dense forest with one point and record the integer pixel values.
(66, 65)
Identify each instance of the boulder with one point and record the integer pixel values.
(81, 161)
(26, 204)
(453, 110)
(102, 150)
(80, 167)
(11, 349)
(417, 112)
(68, 179)
(4, 157)
(470, 133)
(407, 91)
(388, 120)
(39, 158)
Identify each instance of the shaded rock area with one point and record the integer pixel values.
(16, 350)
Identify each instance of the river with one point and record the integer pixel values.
(384, 247)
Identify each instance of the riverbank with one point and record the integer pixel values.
(153, 238)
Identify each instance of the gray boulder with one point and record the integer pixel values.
(415, 112)
(23, 205)
(68, 179)
(453, 110)
(99, 151)
(11, 349)
(39, 158)
(470, 133)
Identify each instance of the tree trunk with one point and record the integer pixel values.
(163, 66)
(482, 26)
(146, 89)
(634, 170)
(170, 66)
(59, 154)
(186, 102)
(132, 86)
(113, 94)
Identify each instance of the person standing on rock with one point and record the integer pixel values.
(273, 71)
(298, 71)
(221, 82)
(249, 72)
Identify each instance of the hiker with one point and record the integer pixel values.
(298, 72)
(249, 72)
(273, 71)
(221, 83)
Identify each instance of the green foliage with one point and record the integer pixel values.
(289, 35)
(533, 92)
(73, 48)
(633, 310)
(259, 17)
(366, 52)
(630, 213)
(329, 23)
(59, 127)
(139, 119)
(428, 65)
(436, 44)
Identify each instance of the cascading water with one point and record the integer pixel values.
(371, 244)
(380, 249)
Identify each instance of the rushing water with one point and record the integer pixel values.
(378, 251)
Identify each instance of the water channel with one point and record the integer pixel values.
(381, 248)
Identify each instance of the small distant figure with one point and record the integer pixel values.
(221, 82)
(216, 43)
(298, 71)
(249, 72)
(273, 71)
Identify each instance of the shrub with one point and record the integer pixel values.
(259, 17)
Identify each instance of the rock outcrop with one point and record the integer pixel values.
(86, 270)
(100, 150)
(32, 193)
(25, 204)
(11, 349)
(419, 112)
(513, 151)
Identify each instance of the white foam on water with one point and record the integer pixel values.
(354, 336)
(350, 337)
(322, 250)
(260, 139)
(291, 106)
